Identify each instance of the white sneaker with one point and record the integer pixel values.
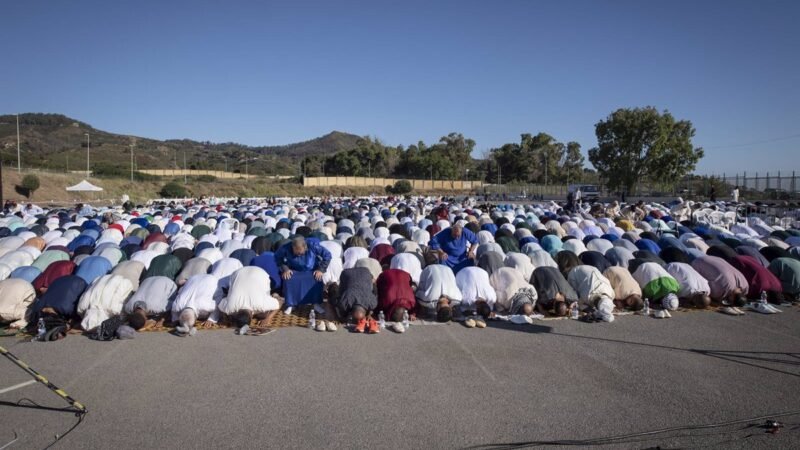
(760, 307)
(738, 311)
(667, 314)
(521, 319)
(398, 327)
(729, 311)
(774, 309)
(660, 314)
(319, 309)
(288, 311)
(320, 325)
(332, 326)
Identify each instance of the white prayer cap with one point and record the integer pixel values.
(670, 302)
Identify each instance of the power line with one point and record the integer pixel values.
(766, 141)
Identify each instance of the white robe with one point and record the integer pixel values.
(335, 267)
(353, 254)
(592, 287)
(507, 282)
(200, 293)
(223, 269)
(521, 263)
(16, 296)
(103, 299)
(690, 281)
(435, 282)
(473, 282)
(250, 290)
(409, 263)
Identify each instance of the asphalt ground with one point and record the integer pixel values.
(436, 386)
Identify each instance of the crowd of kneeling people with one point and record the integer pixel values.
(374, 260)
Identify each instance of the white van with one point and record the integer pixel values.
(589, 192)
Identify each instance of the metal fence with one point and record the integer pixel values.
(767, 183)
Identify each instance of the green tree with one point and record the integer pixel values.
(641, 143)
(30, 183)
(173, 190)
(572, 166)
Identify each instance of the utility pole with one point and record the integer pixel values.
(184, 167)
(88, 144)
(131, 163)
(546, 162)
(498, 173)
(19, 163)
(2, 203)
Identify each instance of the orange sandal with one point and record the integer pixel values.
(374, 328)
(361, 325)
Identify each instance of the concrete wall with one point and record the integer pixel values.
(383, 182)
(194, 173)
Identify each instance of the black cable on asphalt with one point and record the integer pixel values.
(613, 439)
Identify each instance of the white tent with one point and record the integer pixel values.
(84, 186)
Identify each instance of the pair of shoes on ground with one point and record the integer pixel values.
(475, 322)
(763, 308)
(369, 325)
(325, 325)
(731, 311)
(662, 314)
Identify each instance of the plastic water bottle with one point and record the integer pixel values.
(573, 311)
(763, 299)
(312, 319)
(41, 330)
(381, 320)
(646, 308)
(405, 319)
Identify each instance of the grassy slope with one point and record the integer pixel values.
(53, 188)
(61, 142)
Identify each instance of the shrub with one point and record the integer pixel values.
(400, 187)
(30, 183)
(173, 190)
(206, 178)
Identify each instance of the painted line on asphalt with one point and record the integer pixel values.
(471, 355)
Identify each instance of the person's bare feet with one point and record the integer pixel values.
(149, 324)
(262, 323)
(159, 323)
(208, 324)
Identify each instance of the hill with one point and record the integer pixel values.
(58, 142)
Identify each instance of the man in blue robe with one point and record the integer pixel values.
(302, 265)
(450, 245)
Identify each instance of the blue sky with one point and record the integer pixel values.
(281, 72)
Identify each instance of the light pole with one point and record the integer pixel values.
(546, 161)
(184, 167)
(88, 145)
(19, 163)
(131, 163)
